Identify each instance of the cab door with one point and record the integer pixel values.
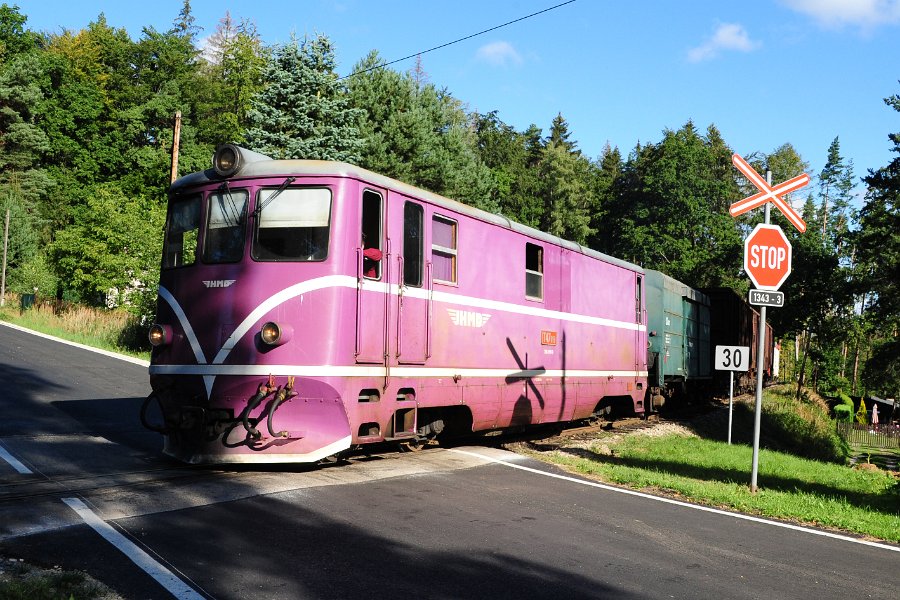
(373, 285)
(414, 286)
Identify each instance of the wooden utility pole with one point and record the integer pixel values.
(5, 243)
(176, 139)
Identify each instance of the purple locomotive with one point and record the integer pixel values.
(308, 307)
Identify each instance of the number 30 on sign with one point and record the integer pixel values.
(732, 358)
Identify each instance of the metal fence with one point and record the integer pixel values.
(872, 436)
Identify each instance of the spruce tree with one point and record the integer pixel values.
(836, 189)
(304, 110)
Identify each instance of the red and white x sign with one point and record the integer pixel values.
(768, 194)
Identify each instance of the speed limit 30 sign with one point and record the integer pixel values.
(732, 358)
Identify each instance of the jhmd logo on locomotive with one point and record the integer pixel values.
(767, 257)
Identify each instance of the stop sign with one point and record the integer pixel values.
(767, 257)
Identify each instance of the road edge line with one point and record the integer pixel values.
(610, 488)
(47, 336)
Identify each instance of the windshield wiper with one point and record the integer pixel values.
(277, 192)
(228, 208)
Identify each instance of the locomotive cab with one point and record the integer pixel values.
(237, 253)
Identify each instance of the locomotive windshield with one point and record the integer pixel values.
(293, 224)
(182, 228)
(224, 240)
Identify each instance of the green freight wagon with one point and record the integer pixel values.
(678, 334)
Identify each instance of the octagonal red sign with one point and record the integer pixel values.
(767, 257)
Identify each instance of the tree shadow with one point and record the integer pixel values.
(318, 553)
(886, 502)
(23, 411)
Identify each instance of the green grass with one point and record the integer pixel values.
(112, 330)
(21, 581)
(713, 473)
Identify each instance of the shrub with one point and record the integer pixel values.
(803, 428)
(843, 413)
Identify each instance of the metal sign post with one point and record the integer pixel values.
(773, 267)
(732, 358)
(760, 361)
(730, 403)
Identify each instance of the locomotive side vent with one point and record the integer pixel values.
(368, 395)
(369, 430)
(405, 422)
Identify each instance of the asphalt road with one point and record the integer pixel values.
(469, 522)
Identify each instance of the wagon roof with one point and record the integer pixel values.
(273, 167)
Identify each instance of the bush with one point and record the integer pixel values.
(843, 413)
(134, 335)
(803, 428)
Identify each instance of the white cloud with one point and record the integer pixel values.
(865, 14)
(727, 37)
(499, 54)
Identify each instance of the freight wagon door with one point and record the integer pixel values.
(372, 296)
(414, 290)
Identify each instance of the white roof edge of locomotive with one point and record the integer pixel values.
(288, 167)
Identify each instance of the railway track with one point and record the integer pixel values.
(38, 486)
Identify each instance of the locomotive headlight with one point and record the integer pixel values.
(160, 335)
(273, 334)
(227, 160)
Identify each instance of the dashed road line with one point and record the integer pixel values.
(14, 462)
(161, 574)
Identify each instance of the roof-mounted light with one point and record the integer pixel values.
(229, 159)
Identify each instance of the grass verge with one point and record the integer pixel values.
(864, 501)
(21, 581)
(112, 330)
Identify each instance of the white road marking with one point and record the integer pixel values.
(161, 574)
(843, 538)
(14, 462)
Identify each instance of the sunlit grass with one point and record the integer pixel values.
(106, 329)
(714, 473)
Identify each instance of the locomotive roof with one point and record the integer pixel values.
(274, 167)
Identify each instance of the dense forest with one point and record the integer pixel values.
(86, 138)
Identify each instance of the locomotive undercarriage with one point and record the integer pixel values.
(274, 418)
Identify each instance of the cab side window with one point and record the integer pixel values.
(371, 234)
(443, 249)
(413, 217)
(534, 272)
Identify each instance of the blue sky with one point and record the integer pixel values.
(765, 72)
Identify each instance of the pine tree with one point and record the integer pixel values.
(567, 195)
(304, 110)
(836, 187)
(419, 134)
(232, 76)
(878, 255)
(559, 135)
